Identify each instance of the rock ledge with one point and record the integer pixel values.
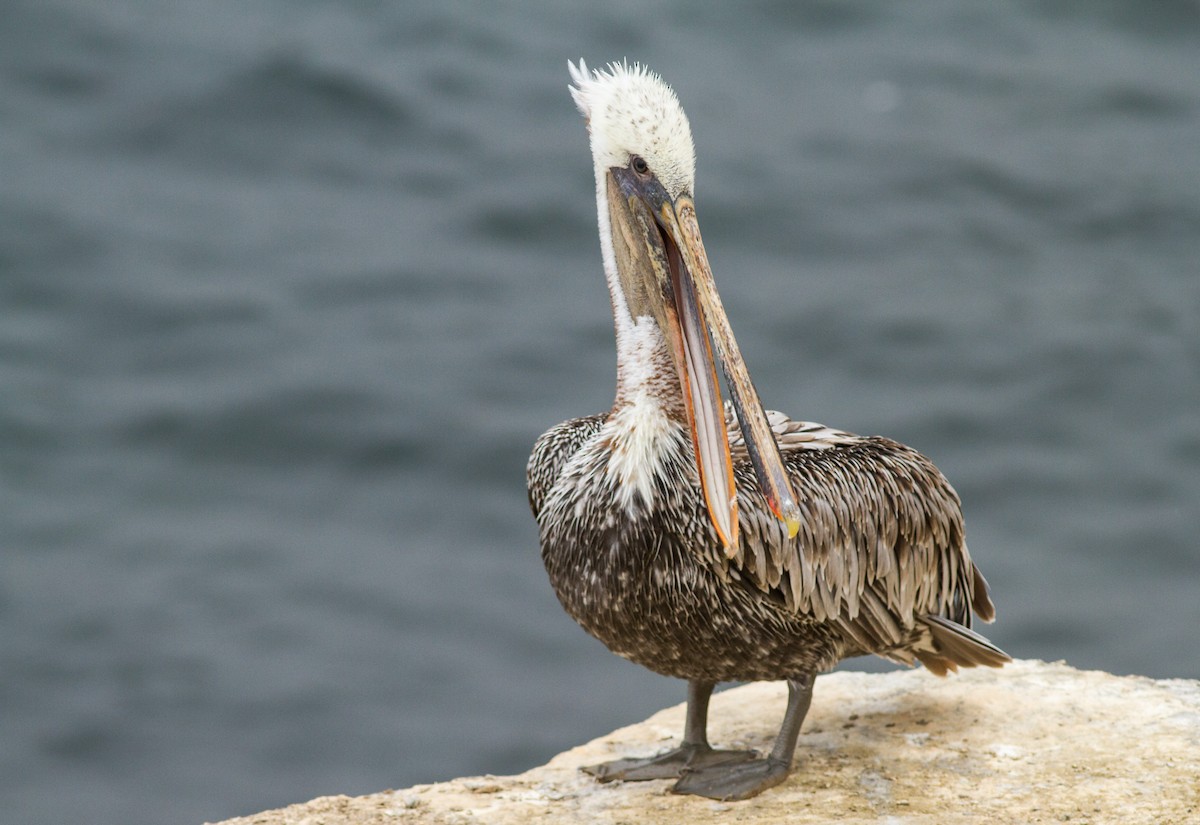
(1033, 742)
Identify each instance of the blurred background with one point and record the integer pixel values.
(288, 290)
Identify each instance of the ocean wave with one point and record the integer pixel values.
(283, 111)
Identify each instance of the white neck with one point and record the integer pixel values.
(645, 369)
(648, 414)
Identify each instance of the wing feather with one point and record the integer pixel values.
(551, 451)
(880, 551)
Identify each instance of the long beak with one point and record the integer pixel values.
(701, 303)
(664, 269)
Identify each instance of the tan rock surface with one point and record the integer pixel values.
(1033, 742)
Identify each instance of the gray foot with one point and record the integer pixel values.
(669, 765)
(740, 780)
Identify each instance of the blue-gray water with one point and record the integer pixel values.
(287, 291)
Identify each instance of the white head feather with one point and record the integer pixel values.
(631, 111)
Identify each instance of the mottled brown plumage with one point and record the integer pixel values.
(879, 559)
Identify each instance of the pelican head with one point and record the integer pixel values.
(645, 166)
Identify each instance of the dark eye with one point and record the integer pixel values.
(638, 164)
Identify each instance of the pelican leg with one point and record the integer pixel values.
(694, 753)
(742, 780)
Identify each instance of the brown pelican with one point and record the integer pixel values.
(721, 543)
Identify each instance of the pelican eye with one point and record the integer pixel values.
(638, 164)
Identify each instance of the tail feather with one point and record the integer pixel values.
(955, 645)
(981, 599)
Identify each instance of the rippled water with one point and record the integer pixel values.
(288, 290)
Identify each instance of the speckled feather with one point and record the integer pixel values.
(879, 565)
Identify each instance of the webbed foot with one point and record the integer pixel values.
(740, 780)
(669, 765)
